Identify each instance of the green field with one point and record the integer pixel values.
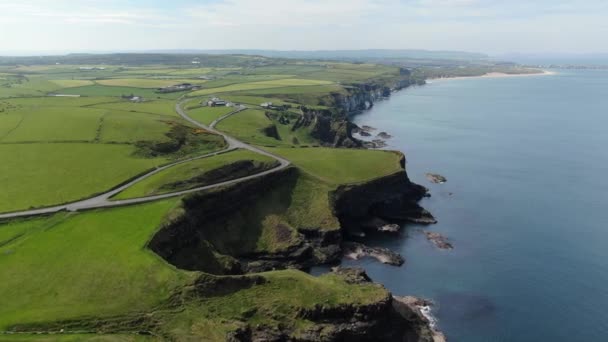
(101, 90)
(206, 115)
(72, 83)
(340, 166)
(248, 126)
(144, 82)
(54, 124)
(289, 82)
(70, 266)
(157, 184)
(161, 107)
(46, 174)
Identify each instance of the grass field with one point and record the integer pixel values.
(129, 127)
(71, 265)
(206, 115)
(46, 174)
(161, 107)
(145, 82)
(72, 83)
(101, 90)
(65, 267)
(248, 126)
(289, 82)
(55, 124)
(340, 166)
(184, 172)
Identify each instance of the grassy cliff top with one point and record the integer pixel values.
(341, 166)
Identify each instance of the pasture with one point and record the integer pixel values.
(341, 166)
(145, 82)
(206, 115)
(44, 174)
(288, 82)
(60, 150)
(70, 265)
(251, 126)
(182, 173)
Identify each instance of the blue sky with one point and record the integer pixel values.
(495, 27)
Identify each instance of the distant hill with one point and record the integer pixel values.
(346, 54)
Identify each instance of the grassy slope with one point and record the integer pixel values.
(339, 166)
(273, 303)
(67, 267)
(93, 263)
(248, 126)
(153, 185)
(131, 127)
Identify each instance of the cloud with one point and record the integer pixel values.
(477, 25)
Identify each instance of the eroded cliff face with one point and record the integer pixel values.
(393, 198)
(333, 127)
(219, 232)
(386, 319)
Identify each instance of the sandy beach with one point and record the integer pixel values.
(496, 75)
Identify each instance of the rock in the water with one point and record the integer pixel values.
(390, 228)
(365, 134)
(356, 251)
(409, 306)
(367, 128)
(379, 143)
(435, 178)
(376, 224)
(384, 135)
(439, 240)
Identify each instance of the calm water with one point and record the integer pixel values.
(527, 165)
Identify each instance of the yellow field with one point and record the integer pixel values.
(144, 82)
(72, 83)
(289, 82)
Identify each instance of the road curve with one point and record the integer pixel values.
(103, 200)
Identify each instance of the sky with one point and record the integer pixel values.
(487, 26)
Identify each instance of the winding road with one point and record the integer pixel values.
(103, 200)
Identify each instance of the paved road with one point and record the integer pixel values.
(103, 200)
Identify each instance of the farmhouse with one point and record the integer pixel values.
(268, 105)
(216, 102)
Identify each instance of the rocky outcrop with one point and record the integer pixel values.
(436, 178)
(392, 198)
(328, 129)
(384, 319)
(356, 251)
(201, 236)
(439, 240)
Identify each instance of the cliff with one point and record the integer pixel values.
(332, 127)
(253, 226)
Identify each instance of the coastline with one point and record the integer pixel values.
(495, 75)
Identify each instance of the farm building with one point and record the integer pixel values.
(216, 102)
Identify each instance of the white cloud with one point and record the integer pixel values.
(477, 25)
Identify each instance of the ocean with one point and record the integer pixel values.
(525, 204)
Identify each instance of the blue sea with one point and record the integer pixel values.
(525, 204)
